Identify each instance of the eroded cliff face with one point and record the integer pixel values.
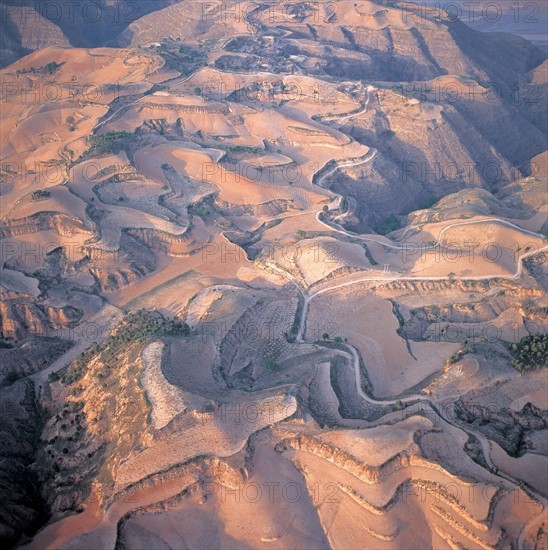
(23, 509)
(513, 430)
(20, 320)
(33, 335)
(28, 26)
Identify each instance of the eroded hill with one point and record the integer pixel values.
(274, 264)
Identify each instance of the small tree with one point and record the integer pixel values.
(325, 208)
(301, 234)
(325, 336)
(398, 405)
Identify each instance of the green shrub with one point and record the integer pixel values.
(531, 353)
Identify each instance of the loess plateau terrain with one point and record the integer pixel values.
(273, 275)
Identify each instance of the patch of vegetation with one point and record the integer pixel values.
(157, 88)
(50, 68)
(70, 120)
(200, 210)
(399, 405)
(530, 353)
(110, 142)
(53, 377)
(391, 223)
(10, 379)
(368, 254)
(301, 234)
(271, 365)
(239, 148)
(428, 202)
(41, 194)
(467, 347)
(135, 328)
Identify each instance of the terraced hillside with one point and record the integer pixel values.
(272, 276)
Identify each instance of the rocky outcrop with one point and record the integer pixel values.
(364, 472)
(43, 221)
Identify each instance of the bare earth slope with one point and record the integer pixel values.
(271, 277)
